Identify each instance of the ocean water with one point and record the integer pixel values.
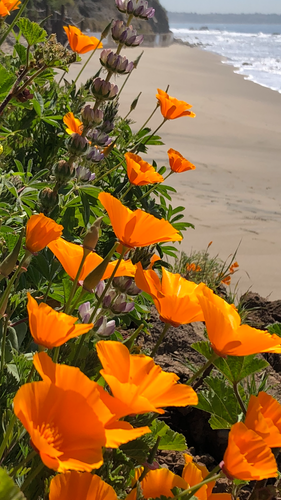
(254, 50)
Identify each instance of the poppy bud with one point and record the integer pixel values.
(8, 264)
(92, 280)
(135, 103)
(63, 171)
(48, 198)
(106, 30)
(92, 237)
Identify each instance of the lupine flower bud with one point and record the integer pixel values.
(143, 255)
(103, 90)
(95, 155)
(77, 144)
(138, 9)
(107, 126)
(91, 116)
(85, 312)
(84, 174)
(104, 328)
(120, 305)
(108, 299)
(63, 171)
(8, 264)
(99, 138)
(92, 237)
(48, 198)
(115, 63)
(126, 285)
(122, 33)
(100, 288)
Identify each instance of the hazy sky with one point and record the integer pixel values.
(223, 6)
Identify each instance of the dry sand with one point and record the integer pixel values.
(235, 142)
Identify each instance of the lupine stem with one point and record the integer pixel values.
(202, 369)
(160, 340)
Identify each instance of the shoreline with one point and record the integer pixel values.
(234, 141)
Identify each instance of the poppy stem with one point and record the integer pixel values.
(187, 494)
(129, 342)
(238, 397)
(154, 187)
(74, 286)
(7, 435)
(32, 475)
(149, 118)
(126, 192)
(135, 149)
(10, 284)
(107, 173)
(160, 340)
(150, 460)
(123, 251)
(202, 369)
(56, 354)
(88, 60)
(29, 457)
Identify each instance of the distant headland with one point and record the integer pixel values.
(191, 17)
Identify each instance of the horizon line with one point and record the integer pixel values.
(225, 13)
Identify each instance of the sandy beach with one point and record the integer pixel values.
(233, 196)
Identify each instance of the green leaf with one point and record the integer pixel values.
(219, 400)
(12, 370)
(8, 489)
(31, 31)
(235, 368)
(6, 80)
(275, 328)
(21, 51)
(38, 104)
(170, 440)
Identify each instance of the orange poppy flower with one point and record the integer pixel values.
(74, 126)
(136, 229)
(79, 42)
(264, 417)
(172, 108)
(178, 163)
(51, 328)
(76, 485)
(225, 332)
(141, 173)
(7, 6)
(157, 483)
(63, 427)
(139, 383)
(40, 231)
(174, 297)
(108, 409)
(247, 456)
(194, 474)
(70, 256)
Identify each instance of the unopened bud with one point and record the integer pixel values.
(103, 90)
(85, 312)
(100, 288)
(48, 198)
(92, 237)
(8, 264)
(63, 171)
(108, 299)
(96, 275)
(91, 116)
(106, 30)
(135, 103)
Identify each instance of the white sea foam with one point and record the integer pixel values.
(256, 55)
